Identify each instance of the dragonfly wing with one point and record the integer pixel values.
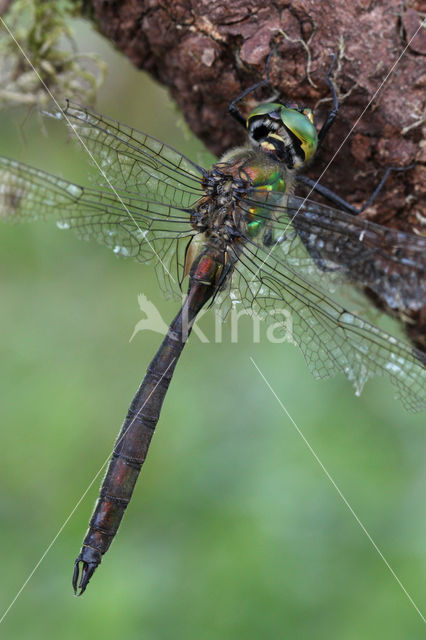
(332, 339)
(130, 226)
(350, 248)
(132, 161)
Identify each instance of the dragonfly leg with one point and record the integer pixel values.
(238, 116)
(341, 202)
(333, 113)
(233, 109)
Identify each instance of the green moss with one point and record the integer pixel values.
(49, 60)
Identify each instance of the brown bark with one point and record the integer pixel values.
(208, 51)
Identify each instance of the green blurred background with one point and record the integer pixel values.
(234, 529)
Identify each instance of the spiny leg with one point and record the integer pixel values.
(333, 113)
(341, 202)
(233, 109)
(238, 116)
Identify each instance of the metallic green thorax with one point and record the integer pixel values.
(263, 179)
(281, 139)
(287, 139)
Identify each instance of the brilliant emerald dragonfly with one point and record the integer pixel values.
(235, 231)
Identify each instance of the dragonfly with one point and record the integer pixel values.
(234, 232)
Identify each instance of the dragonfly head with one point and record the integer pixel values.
(288, 134)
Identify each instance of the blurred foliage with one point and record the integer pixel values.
(43, 31)
(234, 531)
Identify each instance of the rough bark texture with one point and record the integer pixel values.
(208, 51)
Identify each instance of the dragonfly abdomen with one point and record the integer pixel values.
(129, 454)
(132, 444)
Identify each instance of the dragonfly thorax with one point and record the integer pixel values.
(215, 213)
(224, 213)
(218, 218)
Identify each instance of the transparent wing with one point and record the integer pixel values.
(130, 226)
(132, 161)
(349, 248)
(331, 338)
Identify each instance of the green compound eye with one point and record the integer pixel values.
(300, 123)
(264, 109)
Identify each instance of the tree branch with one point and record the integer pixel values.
(208, 52)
